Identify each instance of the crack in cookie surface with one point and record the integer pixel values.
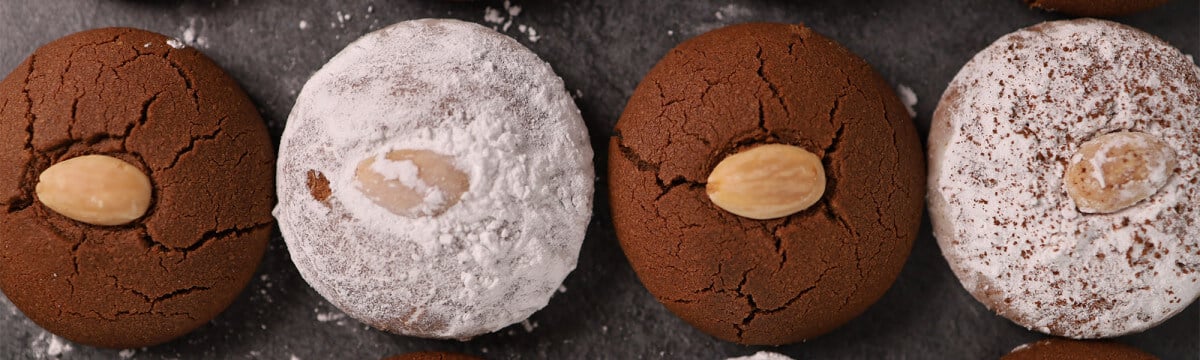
(774, 281)
(177, 117)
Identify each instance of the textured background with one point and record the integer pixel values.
(601, 48)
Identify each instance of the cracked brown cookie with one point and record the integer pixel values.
(1095, 7)
(105, 109)
(733, 91)
(434, 355)
(1064, 349)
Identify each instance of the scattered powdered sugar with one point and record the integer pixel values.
(303, 25)
(529, 325)
(127, 353)
(50, 345)
(503, 19)
(175, 43)
(1005, 132)
(190, 35)
(909, 98)
(723, 16)
(732, 11)
(763, 355)
(503, 116)
(332, 316)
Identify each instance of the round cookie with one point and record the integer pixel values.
(1028, 230)
(435, 180)
(434, 355)
(1063, 349)
(153, 110)
(733, 91)
(1095, 7)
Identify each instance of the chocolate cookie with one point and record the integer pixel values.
(1063, 349)
(434, 355)
(1063, 171)
(711, 111)
(182, 161)
(1095, 7)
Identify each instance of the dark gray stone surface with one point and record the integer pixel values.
(601, 48)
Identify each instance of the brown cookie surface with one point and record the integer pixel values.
(1064, 349)
(176, 116)
(1095, 7)
(765, 281)
(434, 355)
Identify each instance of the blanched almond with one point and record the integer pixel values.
(767, 182)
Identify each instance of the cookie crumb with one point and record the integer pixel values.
(909, 98)
(327, 317)
(529, 325)
(318, 185)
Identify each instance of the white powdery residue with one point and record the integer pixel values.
(529, 325)
(513, 10)
(1000, 212)
(721, 17)
(51, 345)
(127, 353)
(503, 19)
(303, 25)
(530, 31)
(909, 98)
(294, 357)
(175, 43)
(57, 347)
(763, 355)
(191, 35)
(493, 16)
(533, 35)
(733, 11)
(504, 248)
(327, 317)
(562, 289)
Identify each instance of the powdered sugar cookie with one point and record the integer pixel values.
(1063, 178)
(435, 180)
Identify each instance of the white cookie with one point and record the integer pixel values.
(1002, 138)
(459, 263)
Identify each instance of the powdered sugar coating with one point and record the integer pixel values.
(1000, 142)
(763, 355)
(460, 90)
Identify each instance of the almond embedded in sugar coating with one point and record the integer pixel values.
(1003, 212)
(1115, 171)
(412, 183)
